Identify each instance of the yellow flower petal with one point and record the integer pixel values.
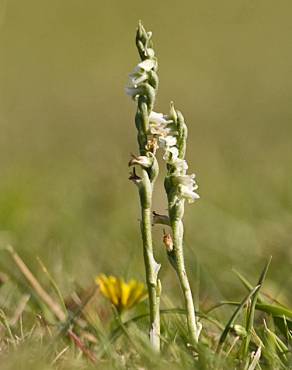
(137, 293)
(101, 281)
(120, 293)
(112, 287)
(107, 288)
(125, 293)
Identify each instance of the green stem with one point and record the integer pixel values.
(146, 93)
(151, 266)
(178, 230)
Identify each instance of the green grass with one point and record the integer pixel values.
(94, 335)
(66, 133)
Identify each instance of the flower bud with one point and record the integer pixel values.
(167, 241)
(240, 331)
(182, 135)
(172, 112)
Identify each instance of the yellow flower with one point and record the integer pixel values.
(123, 295)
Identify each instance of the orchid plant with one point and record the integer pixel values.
(142, 87)
(169, 133)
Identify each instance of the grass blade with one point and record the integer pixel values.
(180, 311)
(246, 283)
(251, 310)
(53, 283)
(234, 317)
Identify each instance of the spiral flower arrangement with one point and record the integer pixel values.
(142, 87)
(169, 133)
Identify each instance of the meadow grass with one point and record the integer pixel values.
(83, 330)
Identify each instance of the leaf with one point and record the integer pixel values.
(234, 317)
(251, 310)
(275, 310)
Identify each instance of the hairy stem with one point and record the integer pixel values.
(177, 227)
(180, 187)
(151, 268)
(143, 87)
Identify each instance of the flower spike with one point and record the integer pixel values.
(142, 87)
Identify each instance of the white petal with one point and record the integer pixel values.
(132, 91)
(171, 154)
(190, 195)
(156, 130)
(185, 181)
(174, 152)
(157, 118)
(147, 65)
(139, 79)
(181, 164)
(150, 52)
(170, 140)
(167, 141)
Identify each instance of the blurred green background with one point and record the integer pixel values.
(67, 128)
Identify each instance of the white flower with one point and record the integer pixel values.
(133, 91)
(159, 130)
(158, 118)
(181, 165)
(150, 52)
(188, 193)
(162, 127)
(141, 160)
(171, 154)
(187, 180)
(138, 76)
(159, 124)
(167, 141)
(186, 186)
(146, 65)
